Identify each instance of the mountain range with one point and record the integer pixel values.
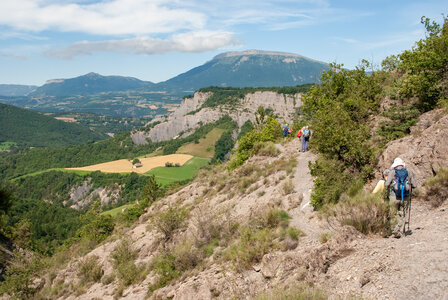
(13, 90)
(252, 68)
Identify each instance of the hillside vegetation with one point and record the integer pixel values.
(28, 128)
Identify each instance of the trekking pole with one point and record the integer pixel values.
(409, 216)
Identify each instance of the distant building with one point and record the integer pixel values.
(137, 165)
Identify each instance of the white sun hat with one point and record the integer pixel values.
(398, 162)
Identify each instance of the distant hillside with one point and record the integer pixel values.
(30, 128)
(250, 69)
(15, 89)
(91, 83)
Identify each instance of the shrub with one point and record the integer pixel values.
(124, 264)
(331, 180)
(131, 214)
(287, 187)
(136, 161)
(294, 233)
(368, 213)
(437, 188)
(98, 227)
(275, 217)
(324, 237)
(250, 247)
(165, 268)
(401, 118)
(268, 131)
(266, 149)
(169, 164)
(20, 276)
(170, 220)
(90, 270)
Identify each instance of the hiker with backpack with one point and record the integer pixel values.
(401, 181)
(286, 130)
(380, 186)
(306, 134)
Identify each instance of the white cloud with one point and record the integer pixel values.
(115, 17)
(396, 39)
(13, 56)
(187, 42)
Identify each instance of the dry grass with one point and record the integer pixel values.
(287, 187)
(125, 166)
(437, 188)
(90, 270)
(297, 292)
(368, 213)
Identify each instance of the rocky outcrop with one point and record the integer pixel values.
(425, 150)
(82, 195)
(186, 118)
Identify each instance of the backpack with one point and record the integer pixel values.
(401, 187)
(306, 133)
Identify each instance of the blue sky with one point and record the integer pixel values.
(157, 39)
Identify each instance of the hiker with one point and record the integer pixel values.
(380, 186)
(286, 130)
(306, 133)
(401, 181)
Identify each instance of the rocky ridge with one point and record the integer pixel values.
(184, 121)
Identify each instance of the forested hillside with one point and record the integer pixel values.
(29, 128)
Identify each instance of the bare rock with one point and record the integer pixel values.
(425, 151)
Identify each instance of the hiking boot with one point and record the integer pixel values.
(397, 234)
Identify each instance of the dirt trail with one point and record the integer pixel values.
(412, 267)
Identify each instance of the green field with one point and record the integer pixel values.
(79, 172)
(205, 147)
(6, 145)
(115, 211)
(166, 175)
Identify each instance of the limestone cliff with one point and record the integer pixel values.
(189, 115)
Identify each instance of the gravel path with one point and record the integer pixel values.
(412, 267)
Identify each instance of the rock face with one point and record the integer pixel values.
(83, 195)
(425, 151)
(181, 121)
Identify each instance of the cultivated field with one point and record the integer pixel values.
(189, 170)
(206, 146)
(125, 166)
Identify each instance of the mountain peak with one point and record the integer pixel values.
(255, 52)
(93, 74)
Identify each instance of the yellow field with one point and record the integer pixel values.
(124, 165)
(71, 120)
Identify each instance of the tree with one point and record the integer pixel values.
(425, 67)
(151, 191)
(5, 199)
